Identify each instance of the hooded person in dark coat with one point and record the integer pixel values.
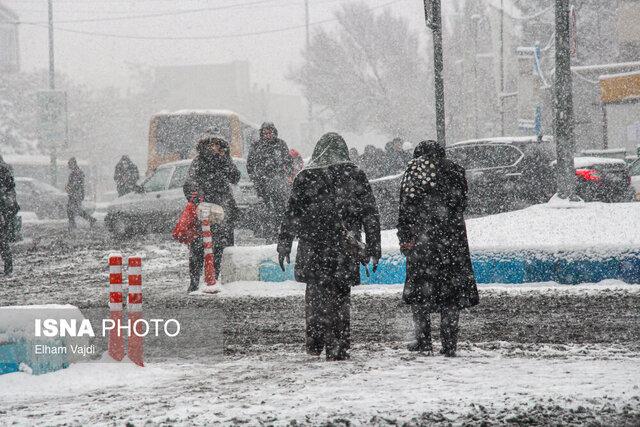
(433, 237)
(8, 210)
(396, 158)
(75, 192)
(209, 178)
(126, 176)
(372, 162)
(269, 166)
(331, 203)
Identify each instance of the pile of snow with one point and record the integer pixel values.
(582, 227)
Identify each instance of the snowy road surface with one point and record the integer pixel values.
(528, 354)
(381, 384)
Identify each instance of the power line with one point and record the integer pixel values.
(208, 37)
(151, 15)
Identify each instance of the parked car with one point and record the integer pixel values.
(45, 200)
(602, 179)
(634, 176)
(160, 200)
(515, 172)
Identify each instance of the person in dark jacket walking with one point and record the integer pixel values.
(433, 237)
(372, 162)
(331, 203)
(395, 157)
(8, 210)
(209, 178)
(126, 176)
(75, 191)
(270, 165)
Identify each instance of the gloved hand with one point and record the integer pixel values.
(374, 263)
(283, 254)
(407, 247)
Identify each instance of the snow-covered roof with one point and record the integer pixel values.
(205, 112)
(613, 76)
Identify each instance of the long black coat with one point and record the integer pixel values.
(433, 198)
(269, 165)
(210, 177)
(311, 216)
(8, 203)
(126, 176)
(75, 185)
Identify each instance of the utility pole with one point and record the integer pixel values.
(308, 44)
(564, 120)
(52, 87)
(502, 90)
(476, 96)
(433, 17)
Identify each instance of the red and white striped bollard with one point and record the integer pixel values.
(135, 350)
(209, 265)
(116, 340)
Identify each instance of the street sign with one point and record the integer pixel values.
(52, 117)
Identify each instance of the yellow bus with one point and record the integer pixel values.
(172, 136)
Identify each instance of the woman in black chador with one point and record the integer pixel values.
(433, 237)
(210, 176)
(331, 203)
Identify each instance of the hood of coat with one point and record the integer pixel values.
(429, 149)
(269, 126)
(331, 149)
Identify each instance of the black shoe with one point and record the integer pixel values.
(449, 353)
(420, 346)
(314, 352)
(338, 354)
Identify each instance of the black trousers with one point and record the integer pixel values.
(74, 208)
(449, 316)
(328, 318)
(196, 262)
(5, 253)
(275, 197)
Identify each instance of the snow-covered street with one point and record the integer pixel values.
(383, 384)
(541, 353)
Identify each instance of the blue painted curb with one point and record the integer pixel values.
(14, 353)
(529, 267)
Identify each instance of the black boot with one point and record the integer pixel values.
(449, 331)
(420, 346)
(422, 330)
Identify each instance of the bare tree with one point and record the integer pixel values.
(369, 74)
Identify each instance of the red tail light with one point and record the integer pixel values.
(588, 174)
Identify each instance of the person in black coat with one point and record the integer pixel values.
(396, 158)
(8, 210)
(270, 166)
(75, 192)
(209, 178)
(126, 176)
(331, 203)
(433, 237)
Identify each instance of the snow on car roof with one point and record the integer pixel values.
(503, 140)
(35, 159)
(583, 162)
(188, 161)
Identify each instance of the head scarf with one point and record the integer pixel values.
(330, 150)
(424, 173)
(429, 149)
